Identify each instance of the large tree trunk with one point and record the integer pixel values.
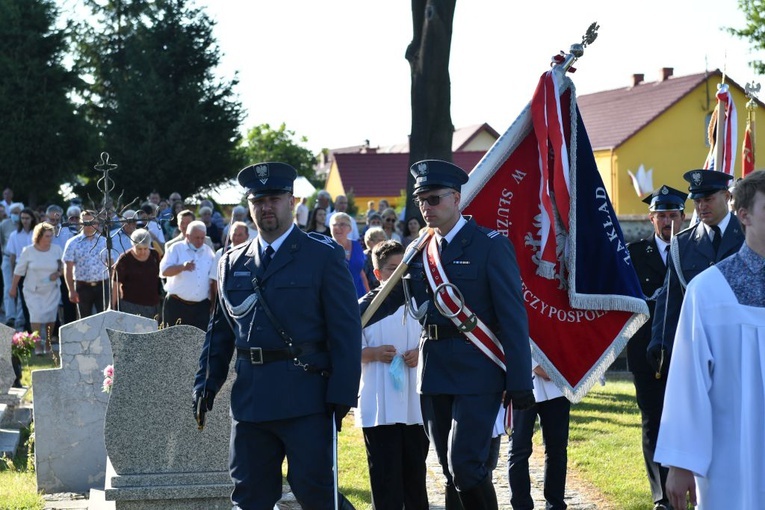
(428, 56)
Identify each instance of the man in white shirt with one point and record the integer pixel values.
(553, 410)
(301, 213)
(191, 278)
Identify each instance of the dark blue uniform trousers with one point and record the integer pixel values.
(460, 428)
(649, 392)
(258, 450)
(553, 420)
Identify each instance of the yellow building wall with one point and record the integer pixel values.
(672, 144)
(482, 142)
(335, 187)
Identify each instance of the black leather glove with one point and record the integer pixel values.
(339, 412)
(521, 400)
(202, 402)
(654, 357)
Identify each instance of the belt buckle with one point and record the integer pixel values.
(256, 355)
(433, 331)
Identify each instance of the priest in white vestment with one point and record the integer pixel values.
(712, 434)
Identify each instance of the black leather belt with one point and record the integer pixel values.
(90, 284)
(441, 331)
(185, 302)
(259, 356)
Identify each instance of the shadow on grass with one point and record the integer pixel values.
(598, 405)
(356, 493)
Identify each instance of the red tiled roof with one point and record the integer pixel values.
(613, 116)
(384, 174)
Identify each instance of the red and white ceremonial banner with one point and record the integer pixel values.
(727, 152)
(581, 292)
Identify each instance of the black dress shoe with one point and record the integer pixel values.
(662, 506)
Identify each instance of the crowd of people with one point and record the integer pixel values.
(62, 263)
(417, 373)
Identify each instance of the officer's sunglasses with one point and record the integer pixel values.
(432, 199)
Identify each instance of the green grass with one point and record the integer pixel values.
(604, 450)
(18, 485)
(605, 445)
(353, 475)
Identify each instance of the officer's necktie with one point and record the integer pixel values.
(717, 239)
(666, 255)
(267, 255)
(444, 244)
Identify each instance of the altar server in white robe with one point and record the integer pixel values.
(389, 406)
(711, 432)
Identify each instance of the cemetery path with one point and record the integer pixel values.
(580, 495)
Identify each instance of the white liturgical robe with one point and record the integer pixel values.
(380, 403)
(714, 408)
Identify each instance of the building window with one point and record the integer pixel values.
(707, 120)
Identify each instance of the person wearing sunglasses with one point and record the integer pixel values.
(460, 387)
(389, 225)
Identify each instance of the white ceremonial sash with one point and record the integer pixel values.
(480, 335)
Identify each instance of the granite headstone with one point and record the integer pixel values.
(159, 457)
(70, 406)
(6, 369)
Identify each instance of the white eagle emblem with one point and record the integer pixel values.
(422, 169)
(696, 176)
(262, 171)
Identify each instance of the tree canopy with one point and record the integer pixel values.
(754, 31)
(264, 143)
(43, 134)
(162, 114)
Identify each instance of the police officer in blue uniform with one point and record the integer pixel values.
(649, 257)
(716, 236)
(288, 310)
(461, 388)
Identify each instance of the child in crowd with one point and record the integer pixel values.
(389, 406)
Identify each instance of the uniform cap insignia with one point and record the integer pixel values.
(664, 190)
(696, 176)
(422, 169)
(262, 171)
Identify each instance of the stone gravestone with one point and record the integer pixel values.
(6, 369)
(70, 407)
(159, 457)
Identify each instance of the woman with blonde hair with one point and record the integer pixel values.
(389, 224)
(40, 265)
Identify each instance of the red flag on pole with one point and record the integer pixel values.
(747, 153)
(747, 150)
(581, 292)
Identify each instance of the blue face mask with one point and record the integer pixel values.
(15, 218)
(397, 372)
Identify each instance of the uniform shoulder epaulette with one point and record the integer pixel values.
(321, 238)
(235, 251)
(240, 247)
(686, 231)
(490, 233)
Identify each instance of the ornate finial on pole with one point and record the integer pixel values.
(752, 91)
(105, 218)
(747, 151)
(565, 61)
